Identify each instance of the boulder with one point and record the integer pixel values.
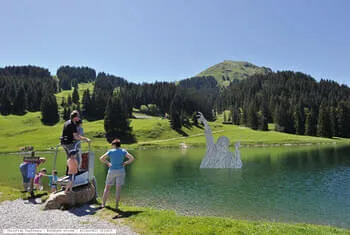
(80, 195)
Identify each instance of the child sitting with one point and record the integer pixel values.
(37, 179)
(72, 164)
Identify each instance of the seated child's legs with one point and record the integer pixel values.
(70, 184)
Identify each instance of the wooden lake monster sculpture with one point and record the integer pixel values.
(218, 155)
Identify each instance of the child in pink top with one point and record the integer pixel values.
(37, 179)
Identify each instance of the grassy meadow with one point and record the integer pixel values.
(19, 131)
(150, 221)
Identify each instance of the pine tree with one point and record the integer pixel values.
(311, 123)
(49, 110)
(263, 124)
(63, 102)
(343, 119)
(235, 116)
(324, 125)
(333, 119)
(31, 99)
(86, 101)
(69, 100)
(299, 119)
(175, 113)
(116, 122)
(20, 103)
(252, 118)
(5, 107)
(75, 95)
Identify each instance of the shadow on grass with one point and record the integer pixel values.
(84, 209)
(122, 214)
(34, 198)
(181, 132)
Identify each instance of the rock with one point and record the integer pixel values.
(79, 195)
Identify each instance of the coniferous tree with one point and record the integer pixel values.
(324, 128)
(69, 100)
(243, 116)
(20, 103)
(63, 102)
(65, 115)
(75, 95)
(128, 99)
(86, 101)
(32, 100)
(116, 122)
(235, 116)
(333, 121)
(343, 119)
(5, 107)
(75, 83)
(252, 118)
(39, 98)
(175, 113)
(92, 109)
(278, 117)
(101, 100)
(263, 124)
(311, 123)
(263, 116)
(299, 119)
(49, 110)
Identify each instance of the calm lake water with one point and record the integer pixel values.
(286, 184)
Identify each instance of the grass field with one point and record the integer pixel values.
(149, 221)
(19, 131)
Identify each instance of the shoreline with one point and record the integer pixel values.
(154, 146)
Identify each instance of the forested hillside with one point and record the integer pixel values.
(295, 102)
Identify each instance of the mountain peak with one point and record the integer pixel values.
(229, 70)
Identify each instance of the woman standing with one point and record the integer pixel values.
(116, 172)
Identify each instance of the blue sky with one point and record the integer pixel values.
(167, 40)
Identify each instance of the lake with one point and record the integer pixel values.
(308, 184)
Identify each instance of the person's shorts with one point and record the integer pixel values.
(70, 149)
(71, 177)
(116, 177)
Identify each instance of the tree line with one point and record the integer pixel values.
(295, 102)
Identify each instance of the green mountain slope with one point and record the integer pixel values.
(228, 70)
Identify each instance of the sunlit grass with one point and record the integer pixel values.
(19, 131)
(150, 221)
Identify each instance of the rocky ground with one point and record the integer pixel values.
(25, 216)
